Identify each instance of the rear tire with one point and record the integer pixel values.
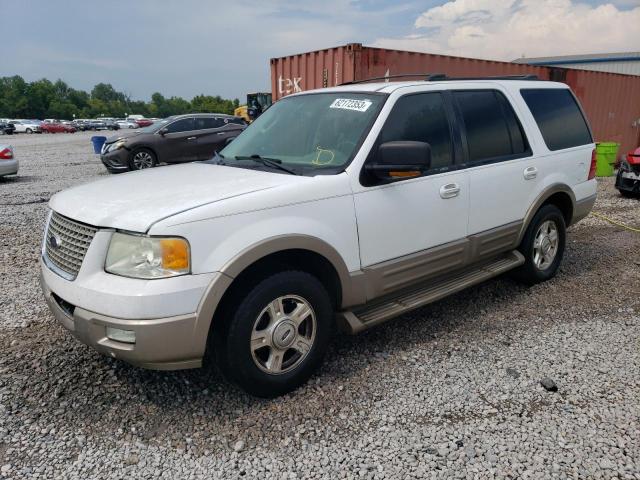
(542, 246)
(275, 333)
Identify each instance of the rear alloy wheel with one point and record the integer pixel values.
(275, 333)
(542, 246)
(141, 159)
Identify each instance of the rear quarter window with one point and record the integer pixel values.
(558, 116)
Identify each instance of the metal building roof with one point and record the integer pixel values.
(578, 59)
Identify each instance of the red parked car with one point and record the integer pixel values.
(57, 127)
(144, 122)
(48, 127)
(69, 127)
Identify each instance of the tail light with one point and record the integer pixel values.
(592, 168)
(633, 159)
(6, 154)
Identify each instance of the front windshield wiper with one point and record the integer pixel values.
(218, 158)
(270, 162)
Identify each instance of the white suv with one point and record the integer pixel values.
(344, 206)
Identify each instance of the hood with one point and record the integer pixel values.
(122, 135)
(136, 200)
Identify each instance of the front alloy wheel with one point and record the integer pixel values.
(142, 159)
(283, 334)
(273, 334)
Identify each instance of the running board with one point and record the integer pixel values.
(379, 311)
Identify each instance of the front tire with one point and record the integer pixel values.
(28, 130)
(142, 158)
(275, 334)
(542, 246)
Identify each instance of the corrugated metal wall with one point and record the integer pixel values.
(375, 62)
(611, 101)
(612, 105)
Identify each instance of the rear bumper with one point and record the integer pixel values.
(582, 208)
(8, 167)
(627, 184)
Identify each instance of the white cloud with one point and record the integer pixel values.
(508, 29)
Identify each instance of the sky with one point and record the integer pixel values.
(213, 47)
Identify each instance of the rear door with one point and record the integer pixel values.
(179, 142)
(503, 174)
(209, 136)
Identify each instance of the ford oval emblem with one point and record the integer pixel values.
(55, 241)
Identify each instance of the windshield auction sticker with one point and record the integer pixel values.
(351, 104)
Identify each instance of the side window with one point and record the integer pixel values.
(182, 125)
(558, 116)
(204, 123)
(421, 118)
(491, 125)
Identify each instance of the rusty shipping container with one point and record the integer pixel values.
(611, 101)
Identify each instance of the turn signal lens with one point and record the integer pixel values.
(404, 174)
(175, 254)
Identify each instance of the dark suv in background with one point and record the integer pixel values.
(177, 139)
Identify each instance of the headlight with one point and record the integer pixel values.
(139, 256)
(114, 146)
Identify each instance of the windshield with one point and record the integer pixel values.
(155, 126)
(309, 132)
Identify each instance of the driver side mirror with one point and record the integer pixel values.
(400, 159)
(163, 131)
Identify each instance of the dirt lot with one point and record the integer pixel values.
(448, 391)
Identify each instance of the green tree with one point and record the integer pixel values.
(46, 99)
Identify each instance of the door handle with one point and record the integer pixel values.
(530, 173)
(220, 133)
(191, 138)
(449, 190)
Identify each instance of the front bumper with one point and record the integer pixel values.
(8, 167)
(161, 344)
(116, 161)
(170, 317)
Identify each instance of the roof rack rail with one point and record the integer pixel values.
(425, 76)
(438, 77)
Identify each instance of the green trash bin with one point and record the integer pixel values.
(606, 153)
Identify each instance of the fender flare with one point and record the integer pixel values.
(352, 285)
(541, 199)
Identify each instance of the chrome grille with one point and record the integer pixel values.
(66, 243)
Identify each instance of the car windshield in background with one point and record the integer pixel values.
(154, 127)
(307, 133)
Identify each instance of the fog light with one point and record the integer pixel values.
(119, 335)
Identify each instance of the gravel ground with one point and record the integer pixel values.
(448, 391)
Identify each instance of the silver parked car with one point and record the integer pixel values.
(8, 162)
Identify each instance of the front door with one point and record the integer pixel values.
(414, 228)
